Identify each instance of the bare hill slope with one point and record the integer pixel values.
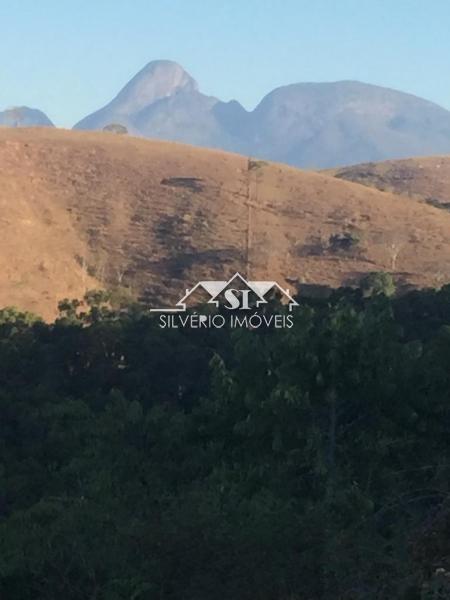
(427, 179)
(82, 210)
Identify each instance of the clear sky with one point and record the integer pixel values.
(70, 57)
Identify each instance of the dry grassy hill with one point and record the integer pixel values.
(426, 179)
(84, 210)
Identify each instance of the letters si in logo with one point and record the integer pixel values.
(234, 294)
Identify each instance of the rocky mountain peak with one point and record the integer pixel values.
(157, 80)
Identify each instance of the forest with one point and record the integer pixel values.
(306, 463)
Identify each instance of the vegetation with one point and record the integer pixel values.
(344, 241)
(256, 164)
(116, 128)
(309, 463)
(378, 282)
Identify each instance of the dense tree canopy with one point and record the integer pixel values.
(309, 463)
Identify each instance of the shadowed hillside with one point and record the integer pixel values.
(83, 210)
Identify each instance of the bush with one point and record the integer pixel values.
(376, 283)
(116, 128)
(344, 241)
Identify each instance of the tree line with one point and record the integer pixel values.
(309, 463)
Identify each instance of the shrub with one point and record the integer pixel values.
(116, 128)
(376, 283)
(344, 241)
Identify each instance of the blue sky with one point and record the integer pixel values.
(71, 57)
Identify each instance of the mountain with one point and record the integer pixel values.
(83, 210)
(22, 116)
(163, 101)
(330, 124)
(312, 125)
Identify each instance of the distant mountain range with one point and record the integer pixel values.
(312, 125)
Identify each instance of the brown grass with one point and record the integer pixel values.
(82, 210)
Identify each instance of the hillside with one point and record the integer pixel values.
(83, 210)
(313, 125)
(426, 179)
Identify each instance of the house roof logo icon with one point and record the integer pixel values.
(215, 288)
